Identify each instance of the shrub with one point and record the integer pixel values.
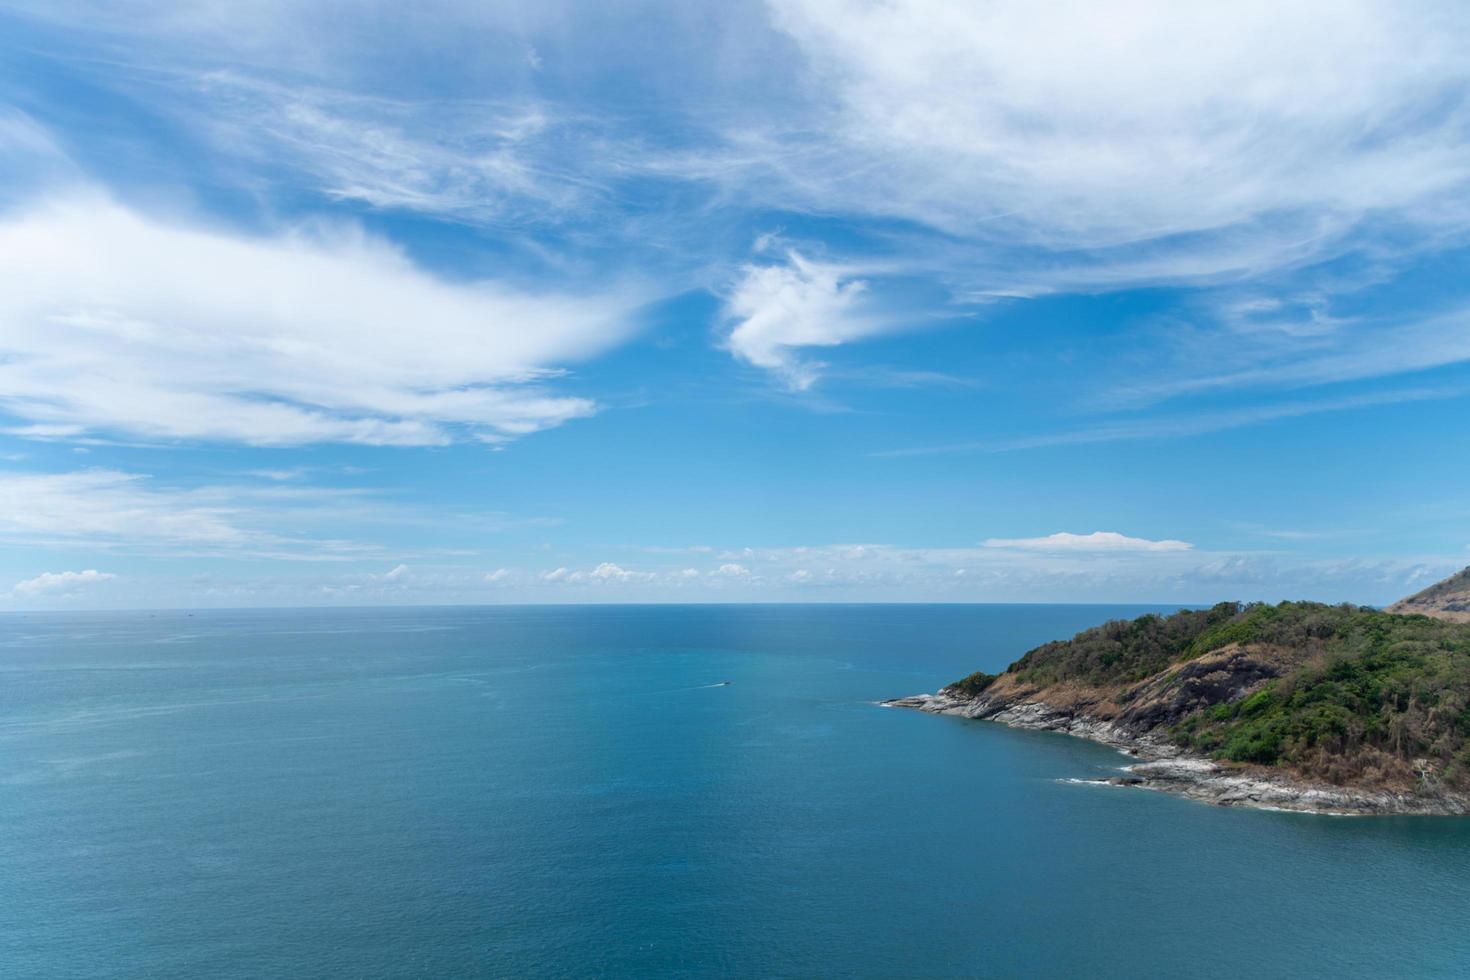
(1373, 691)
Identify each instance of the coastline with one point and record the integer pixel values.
(1166, 768)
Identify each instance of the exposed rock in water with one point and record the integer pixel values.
(1166, 768)
(1298, 706)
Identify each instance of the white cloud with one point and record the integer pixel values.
(604, 573)
(871, 572)
(61, 583)
(109, 509)
(499, 575)
(1186, 425)
(1235, 568)
(279, 475)
(1097, 541)
(104, 505)
(1354, 352)
(114, 323)
(1084, 147)
(1076, 125)
(29, 156)
(609, 572)
(733, 570)
(474, 161)
(1065, 568)
(780, 309)
(1055, 146)
(1063, 147)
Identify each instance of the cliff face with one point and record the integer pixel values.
(1448, 600)
(1165, 767)
(1146, 707)
(1301, 706)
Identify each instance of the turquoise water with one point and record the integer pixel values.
(561, 792)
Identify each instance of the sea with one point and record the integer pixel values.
(638, 791)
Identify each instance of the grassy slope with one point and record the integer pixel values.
(1453, 585)
(1449, 599)
(1371, 697)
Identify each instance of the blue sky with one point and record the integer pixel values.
(803, 300)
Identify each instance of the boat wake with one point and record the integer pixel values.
(681, 690)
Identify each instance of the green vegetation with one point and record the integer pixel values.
(1122, 651)
(975, 683)
(1362, 695)
(1379, 697)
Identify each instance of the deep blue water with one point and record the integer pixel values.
(560, 792)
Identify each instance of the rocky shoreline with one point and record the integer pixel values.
(1165, 767)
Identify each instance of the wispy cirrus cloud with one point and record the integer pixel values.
(1075, 126)
(481, 161)
(108, 510)
(1308, 352)
(1293, 534)
(117, 324)
(114, 511)
(1003, 150)
(1179, 426)
(1276, 166)
(1076, 148)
